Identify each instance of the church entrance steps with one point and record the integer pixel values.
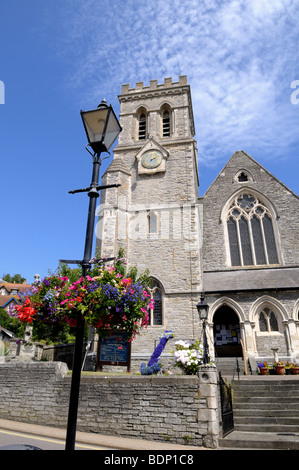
(265, 412)
(260, 441)
(228, 366)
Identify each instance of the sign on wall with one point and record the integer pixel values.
(114, 351)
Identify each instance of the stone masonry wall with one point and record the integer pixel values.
(285, 202)
(176, 409)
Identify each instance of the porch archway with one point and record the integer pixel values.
(226, 329)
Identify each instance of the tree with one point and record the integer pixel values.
(11, 323)
(15, 279)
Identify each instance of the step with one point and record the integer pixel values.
(260, 440)
(245, 412)
(280, 385)
(285, 428)
(265, 413)
(266, 409)
(268, 384)
(266, 393)
(266, 399)
(266, 420)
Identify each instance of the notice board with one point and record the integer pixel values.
(114, 351)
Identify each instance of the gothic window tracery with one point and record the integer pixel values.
(251, 232)
(242, 177)
(267, 321)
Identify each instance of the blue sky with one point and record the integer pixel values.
(57, 57)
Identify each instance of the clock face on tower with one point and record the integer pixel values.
(151, 159)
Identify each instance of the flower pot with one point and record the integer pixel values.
(263, 370)
(279, 370)
(294, 370)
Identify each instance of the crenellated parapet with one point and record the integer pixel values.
(153, 86)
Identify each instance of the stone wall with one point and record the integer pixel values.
(180, 409)
(284, 202)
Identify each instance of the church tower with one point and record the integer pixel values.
(154, 214)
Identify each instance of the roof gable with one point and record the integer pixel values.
(241, 161)
(7, 299)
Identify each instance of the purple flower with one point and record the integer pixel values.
(159, 349)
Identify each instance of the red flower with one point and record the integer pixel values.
(26, 311)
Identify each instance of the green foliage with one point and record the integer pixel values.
(73, 274)
(16, 278)
(11, 323)
(54, 334)
(120, 266)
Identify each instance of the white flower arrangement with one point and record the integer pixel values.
(188, 356)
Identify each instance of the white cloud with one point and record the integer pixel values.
(240, 58)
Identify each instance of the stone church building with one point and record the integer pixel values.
(238, 244)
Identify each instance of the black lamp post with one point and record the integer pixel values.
(203, 310)
(102, 128)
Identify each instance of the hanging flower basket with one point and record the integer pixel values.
(108, 301)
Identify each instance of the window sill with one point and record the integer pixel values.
(269, 333)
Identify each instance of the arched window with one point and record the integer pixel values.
(242, 177)
(142, 127)
(268, 321)
(165, 116)
(156, 314)
(250, 232)
(152, 222)
(166, 123)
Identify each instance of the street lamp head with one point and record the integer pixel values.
(101, 126)
(202, 308)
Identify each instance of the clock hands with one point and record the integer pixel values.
(151, 159)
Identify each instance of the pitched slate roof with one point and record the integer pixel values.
(6, 299)
(251, 279)
(9, 286)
